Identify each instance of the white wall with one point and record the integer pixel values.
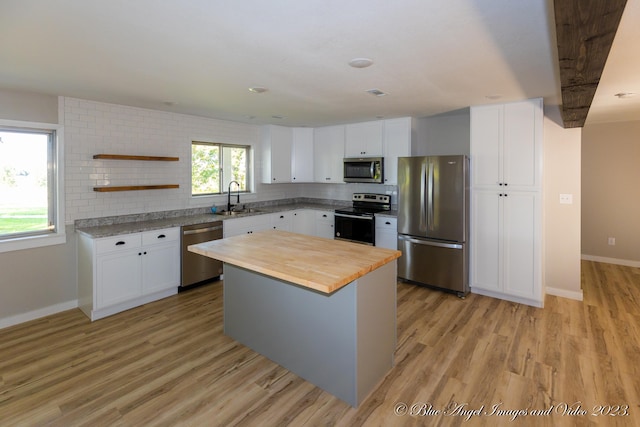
(562, 169)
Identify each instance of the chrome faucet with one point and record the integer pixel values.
(229, 205)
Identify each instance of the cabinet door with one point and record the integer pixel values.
(363, 139)
(486, 235)
(397, 143)
(160, 267)
(522, 144)
(303, 222)
(324, 226)
(328, 154)
(386, 232)
(521, 246)
(302, 155)
(486, 145)
(282, 221)
(276, 152)
(118, 277)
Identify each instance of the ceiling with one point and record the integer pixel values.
(201, 56)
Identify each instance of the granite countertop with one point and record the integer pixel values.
(111, 226)
(317, 263)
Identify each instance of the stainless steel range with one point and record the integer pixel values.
(357, 223)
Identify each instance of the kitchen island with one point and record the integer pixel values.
(323, 309)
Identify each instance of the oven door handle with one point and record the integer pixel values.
(368, 218)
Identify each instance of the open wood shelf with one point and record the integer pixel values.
(135, 187)
(128, 157)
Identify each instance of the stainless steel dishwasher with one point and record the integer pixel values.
(195, 268)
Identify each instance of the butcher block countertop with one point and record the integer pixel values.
(317, 263)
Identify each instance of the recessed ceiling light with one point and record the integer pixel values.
(625, 95)
(376, 92)
(360, 62)
(258, 89)
(493, 96)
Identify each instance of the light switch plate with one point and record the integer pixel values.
(566, 199)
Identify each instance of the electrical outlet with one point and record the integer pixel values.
(612, 241)
(566, 199)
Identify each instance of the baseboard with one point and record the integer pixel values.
(36, 314)
(576, 295)
(625, 262)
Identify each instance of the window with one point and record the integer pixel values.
(30, 184)
(214, 166)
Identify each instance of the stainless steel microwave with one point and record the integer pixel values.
(364, 169)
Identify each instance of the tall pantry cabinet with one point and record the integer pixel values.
(506, 201)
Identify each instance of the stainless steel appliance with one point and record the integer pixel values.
(195, 268)
(357, 222)
(433, 221)
(364, 169)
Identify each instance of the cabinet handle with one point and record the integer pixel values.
(120, 243)
(274, 179)
(505, 184)
(281, 216)
(145, 253)
(139, 253)
(324, 215)
(162, 236)
(387, 222)
(500, 184)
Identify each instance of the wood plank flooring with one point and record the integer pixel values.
(168, 363)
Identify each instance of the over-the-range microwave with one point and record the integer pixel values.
(364, 169)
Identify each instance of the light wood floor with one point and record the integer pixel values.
(168, 363)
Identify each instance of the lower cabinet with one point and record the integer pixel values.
(304, 221)
(386, 232)
(505, 239)
(324, 224)
(121, 272)
(246, 225)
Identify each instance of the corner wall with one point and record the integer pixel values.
(610, 179)
(561, 229)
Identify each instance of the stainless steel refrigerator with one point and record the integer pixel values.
(433, 221)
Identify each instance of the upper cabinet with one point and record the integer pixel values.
(287, 154)
(302, 155)
(398, 135)
(364, 139)
(328, 153)
(276, 154)
(506, 144)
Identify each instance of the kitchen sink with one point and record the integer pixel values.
(238, 212)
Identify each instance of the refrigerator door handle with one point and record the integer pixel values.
(430, 243)
(423, 197)
(430, 193)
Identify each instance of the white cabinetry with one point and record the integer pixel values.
(386, 232)
(328, 154)
(506, 154)
(276, 154)
(282, 221)
(304, 221)
(397, 143)
(324, 226)
(244, 225)
(121, 272)
(302, 155)
(364, 139)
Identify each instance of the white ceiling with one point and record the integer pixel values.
(201, 56)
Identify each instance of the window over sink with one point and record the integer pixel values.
(214, 166)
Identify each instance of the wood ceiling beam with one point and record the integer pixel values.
(585, 30)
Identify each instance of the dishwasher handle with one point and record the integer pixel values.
(201, 230)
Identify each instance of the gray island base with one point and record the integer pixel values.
(342, 342)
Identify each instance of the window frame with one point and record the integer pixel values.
(55, 160)
(249, 176)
